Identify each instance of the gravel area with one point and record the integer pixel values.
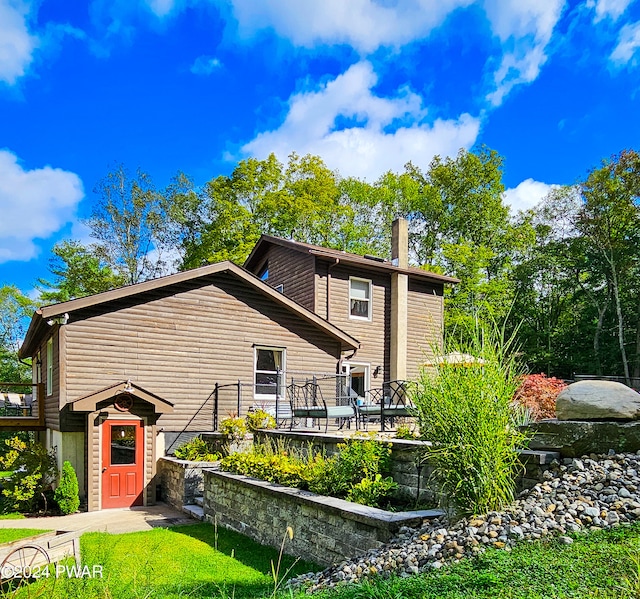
(590, 493)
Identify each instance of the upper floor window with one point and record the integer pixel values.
(360, 299)
(263, 273)
(50, 366)
(269, 372)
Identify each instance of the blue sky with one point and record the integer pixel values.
(197, 85)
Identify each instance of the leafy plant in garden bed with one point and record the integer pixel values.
(466, 412)
(358, 472)
(538, 393)
(196, 450)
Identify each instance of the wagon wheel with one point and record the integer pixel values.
(23, 563)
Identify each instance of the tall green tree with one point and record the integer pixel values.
(129, 223)
(610, 221)
(15, 308)
(78, 271)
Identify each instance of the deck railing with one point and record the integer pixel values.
(21, 406)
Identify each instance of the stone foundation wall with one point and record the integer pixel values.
(181, 480)
(326, 530)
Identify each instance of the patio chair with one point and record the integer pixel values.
(15, 404)
(386, 403)
(307, 403)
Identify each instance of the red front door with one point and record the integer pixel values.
(122, 463)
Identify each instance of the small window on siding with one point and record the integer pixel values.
(269, 371)
(50, 366)
(360, 299)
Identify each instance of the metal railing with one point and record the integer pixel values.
(21, 405)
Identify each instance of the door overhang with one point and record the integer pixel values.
(113, 393)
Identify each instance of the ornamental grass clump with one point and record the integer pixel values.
(465, 411)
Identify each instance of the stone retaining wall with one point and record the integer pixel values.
(326, 530)
(181, 480)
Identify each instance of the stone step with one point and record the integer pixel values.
(198, 501)
(193, 510)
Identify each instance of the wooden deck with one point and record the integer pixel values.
(27, 418)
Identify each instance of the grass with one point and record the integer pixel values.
(170, 563)
(603, 564)
(13, 534)
(12, 516)
(183, 562)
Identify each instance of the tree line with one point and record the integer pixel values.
(563, 275)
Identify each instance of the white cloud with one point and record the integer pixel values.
(628, 43)
(608, 9)
(380, 140)
(161, 8)
(524, 28)
(205, 65)
(527, 194)
(34, 204)
(363, 24)
(16, 43)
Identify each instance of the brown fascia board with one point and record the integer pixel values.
(41, 316)
(89, 402)
(345, 257)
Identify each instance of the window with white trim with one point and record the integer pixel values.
(359, 299)
(269, 372)
(50, 366)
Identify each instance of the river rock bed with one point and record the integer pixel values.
(590, 493)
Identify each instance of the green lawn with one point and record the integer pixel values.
(183, 562)
(177, 562)
(12, 534)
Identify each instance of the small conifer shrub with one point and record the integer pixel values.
(66, 495)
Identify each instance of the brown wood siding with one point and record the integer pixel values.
(51, 402)
(178, 346)
(373, 335)
(424, 323)
(294, 271)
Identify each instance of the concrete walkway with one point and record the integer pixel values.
(113, 521)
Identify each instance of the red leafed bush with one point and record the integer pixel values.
(538, 392)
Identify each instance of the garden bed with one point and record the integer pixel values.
(325, 529)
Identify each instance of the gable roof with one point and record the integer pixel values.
(89, 403)
(372, 262)
(44, 316)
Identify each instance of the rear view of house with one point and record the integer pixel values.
(126, 371)
(122, 376)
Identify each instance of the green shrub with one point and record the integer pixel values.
(34, 471)
(196, 450)
(465, 411)
(404, 431)
(234, 428)
(371, 490)
(355, 473)
(259, 420)
(66, 494)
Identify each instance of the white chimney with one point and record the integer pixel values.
(399, 297)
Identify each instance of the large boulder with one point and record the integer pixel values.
(598, 400)
(575, 439)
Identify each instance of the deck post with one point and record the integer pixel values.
(215, 407)
(239, 396)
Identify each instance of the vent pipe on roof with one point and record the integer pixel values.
(399, 299)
